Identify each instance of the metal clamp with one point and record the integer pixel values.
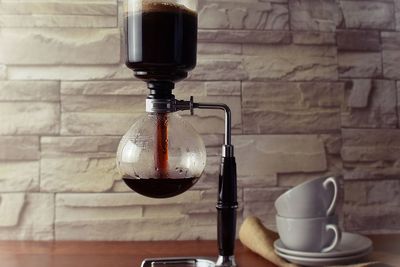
(167, 105)
(154, 105)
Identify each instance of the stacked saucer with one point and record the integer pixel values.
(308, 227)
(352, 248)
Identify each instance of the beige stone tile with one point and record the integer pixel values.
(59, 46)
(279, 107)
(263, 180)
(218, 48)
(265, 156)
(19, 176)
(57, 21)
(159, 211)
(351, 40)
(103, 88)
(249, 15)
(50, 7)
(97, 123)
(129, 216)
(29, 91)
(103, 103)
(78, 145)
(357, 144)
(335, 168)
(390, 40)
(372, 206)
(380, 110)
(391, 54)
(69, 73)
(294, 179)
(292, 62)
(310, 15)
(359, 65)
(374, 170)
(368, 14)
(121, 229)
(314, 38)
(371, 219)
(77, 174)
(3, 72)
(19, 148)
(21, 118)
(355, 192)
(244, 36)
(104, 200)
(332, 143)
(359, 94)
(223, 88)
(201, 221)
(10, 208)
(391, 59)
(267, 194)
(28, 218)
(184, 89)
(397, 13)
(230, 69)
(366, 156)
(398, 102)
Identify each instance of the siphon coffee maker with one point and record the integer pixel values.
(162, 155)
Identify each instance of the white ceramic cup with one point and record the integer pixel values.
(311, 235)
(314, 198)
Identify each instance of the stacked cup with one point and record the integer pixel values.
(306, 219)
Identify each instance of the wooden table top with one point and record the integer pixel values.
(124, 254)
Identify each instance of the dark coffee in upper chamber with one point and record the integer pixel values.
(161, 41)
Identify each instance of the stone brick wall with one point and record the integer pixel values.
(313, 85)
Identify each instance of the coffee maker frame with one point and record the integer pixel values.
(227, 186)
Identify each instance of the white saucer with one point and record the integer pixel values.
(350, 244)
(308, 261)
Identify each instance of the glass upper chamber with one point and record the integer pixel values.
(161, 38)
(161, 155)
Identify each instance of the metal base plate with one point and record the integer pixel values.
(189, 262)
(178, 262)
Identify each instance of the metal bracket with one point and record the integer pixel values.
(173, 105)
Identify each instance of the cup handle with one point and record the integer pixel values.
(336, 240)
(332, 206)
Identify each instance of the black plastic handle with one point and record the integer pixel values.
(226, 206)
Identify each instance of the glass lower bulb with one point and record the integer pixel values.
(161, 155)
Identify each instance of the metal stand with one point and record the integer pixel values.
(227, 186)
